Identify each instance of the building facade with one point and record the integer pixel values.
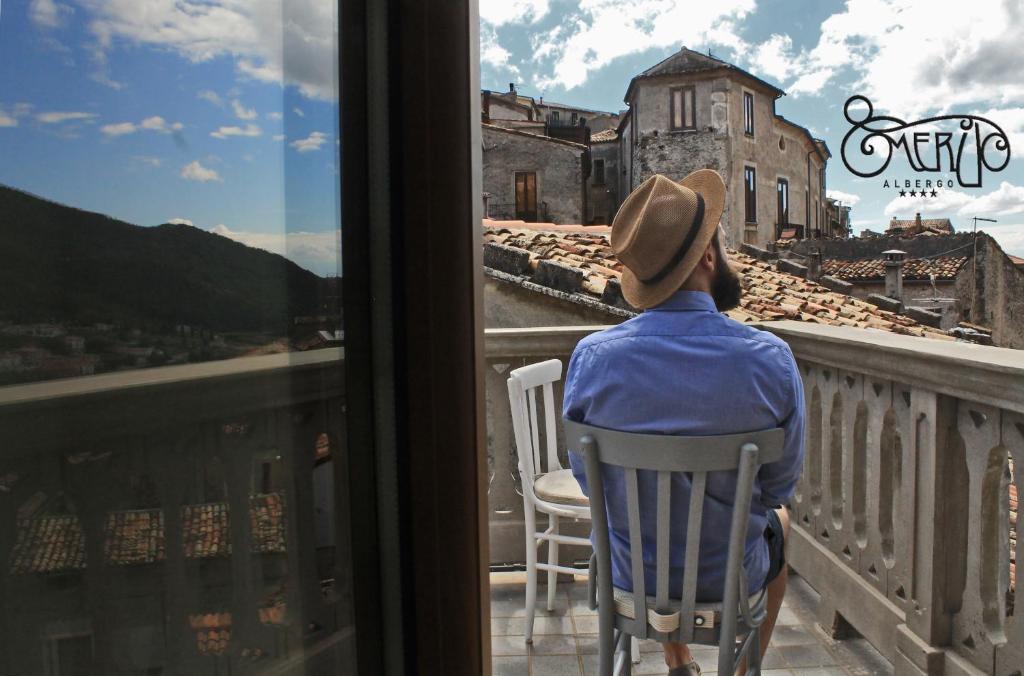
(534, 178)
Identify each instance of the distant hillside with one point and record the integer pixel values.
(62, 264)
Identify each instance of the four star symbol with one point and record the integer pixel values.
(922, 193)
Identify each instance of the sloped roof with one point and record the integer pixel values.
(604, 136)
(688, 61)
(917, 269)
(940, 226)
(53, 543)
(579, 260)
(535, 137)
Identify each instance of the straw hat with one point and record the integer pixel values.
(662, 229)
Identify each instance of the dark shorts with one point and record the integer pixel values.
(775, 537)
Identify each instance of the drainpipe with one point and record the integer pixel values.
(807, 199)
(894, 273)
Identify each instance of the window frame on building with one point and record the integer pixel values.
(681, 92)
(525, 214)
(750, 194)
(748, 113)
(782, 195)
(599, 177)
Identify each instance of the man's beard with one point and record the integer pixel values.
(726, 289)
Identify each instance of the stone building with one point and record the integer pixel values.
(602, 185)
(958, 276)
(688, 112)
(919, 226)
(531, 177)
(693, 111)
(837, 219)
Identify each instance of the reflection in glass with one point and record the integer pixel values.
(172, 456)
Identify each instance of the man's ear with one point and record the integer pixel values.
(707, 260)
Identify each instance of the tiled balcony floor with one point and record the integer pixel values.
(564, 642)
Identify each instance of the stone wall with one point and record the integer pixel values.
(558, 166)
(509, 306)
(872, 247)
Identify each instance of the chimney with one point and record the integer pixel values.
(894, 273)
(814, 266)
(511, 87)
(917, 219)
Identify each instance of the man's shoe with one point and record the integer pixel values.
(691, 669)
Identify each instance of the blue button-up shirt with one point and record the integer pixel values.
(683, 368)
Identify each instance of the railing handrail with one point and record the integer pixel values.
(989, 375)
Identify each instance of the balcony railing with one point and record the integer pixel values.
(902, 515)
(177, 520)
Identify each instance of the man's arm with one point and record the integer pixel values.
(572, 409)
(778, 479)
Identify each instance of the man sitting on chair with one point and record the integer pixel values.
(681, 367)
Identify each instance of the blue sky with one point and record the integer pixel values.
(205, 112)
(912, 58)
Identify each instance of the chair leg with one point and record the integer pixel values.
(552, 559)
(530, 518)
(754, 654)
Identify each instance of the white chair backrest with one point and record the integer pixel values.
(523, 384)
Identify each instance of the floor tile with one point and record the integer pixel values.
(509, 645)
(807, 656)
(553, 644)
(556, 665)
(821, 671)
(510, 666)
(795, 635)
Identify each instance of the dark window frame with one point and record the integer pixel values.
(599, 176)
(748, 113)
(782, 196)
(682, 91)
(750, 194)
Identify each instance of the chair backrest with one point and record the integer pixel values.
(666, 454)
(523, 384)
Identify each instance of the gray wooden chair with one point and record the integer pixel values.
(734, 624)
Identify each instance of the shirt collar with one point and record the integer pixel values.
(683, 301)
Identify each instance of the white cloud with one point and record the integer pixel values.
(1010, 236)
(846, 198)
(500, 12)
(604, 30)
(291, 43)
(241, 112)
(492, 53)
(193, 171)
(274, 115)
(278, 137)
(316, 251)
(7, 120)
(159, 124)
(48, 13)
(55, 117)
(1006, 200)
(180, 221)
(314, 141)
(910, 58)
(119, 129)
(211, 96)
(247, 130)
(298, 111)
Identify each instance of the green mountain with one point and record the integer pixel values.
(61, 264)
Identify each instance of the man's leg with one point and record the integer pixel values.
(677, 655)
(776, 590)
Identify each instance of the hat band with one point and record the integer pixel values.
(677, 257)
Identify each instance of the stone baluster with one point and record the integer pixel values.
(1010, 655)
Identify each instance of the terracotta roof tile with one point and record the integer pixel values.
(865, 269)
(604, 136)
(769, 293)
(53, 543)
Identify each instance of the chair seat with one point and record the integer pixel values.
(560, 487)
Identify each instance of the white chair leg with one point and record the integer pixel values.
(553, 560)
(635, 650)
(530, 518)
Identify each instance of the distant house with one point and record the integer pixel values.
(531, 177)
(919, 226)
(837, 219)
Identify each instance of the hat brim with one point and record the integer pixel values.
(641, 295)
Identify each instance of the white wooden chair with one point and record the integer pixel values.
(547, 487)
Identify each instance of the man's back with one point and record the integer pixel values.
(682, 368)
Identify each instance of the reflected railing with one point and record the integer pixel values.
(120, 547)
(905, 514)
